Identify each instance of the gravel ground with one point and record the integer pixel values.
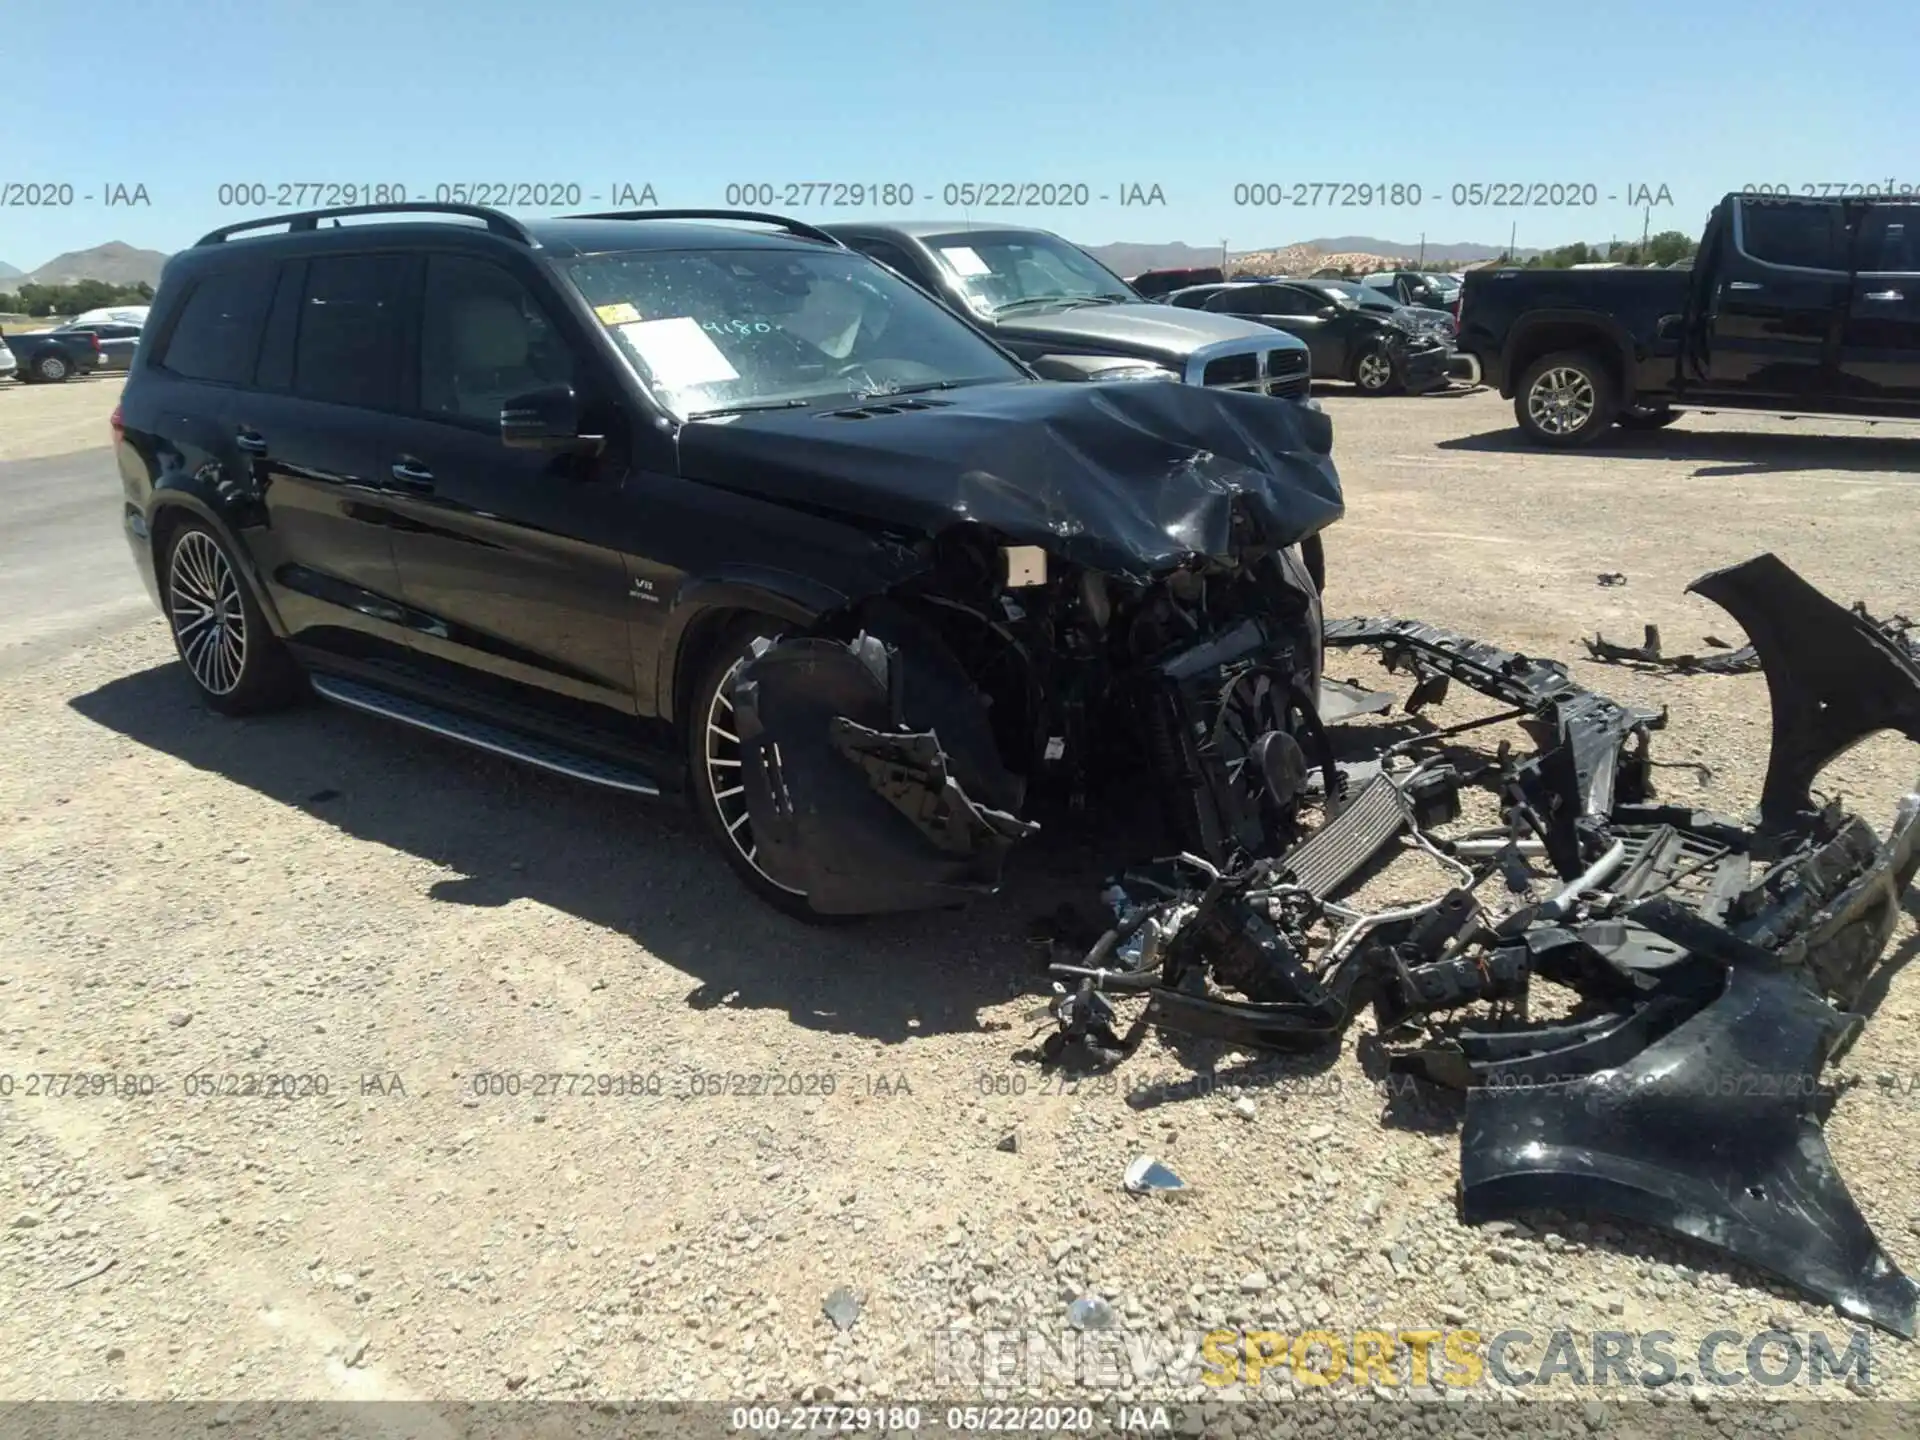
(41, 420)
(319, 896)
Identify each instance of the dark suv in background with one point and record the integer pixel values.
(707, 502)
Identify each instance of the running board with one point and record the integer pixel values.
(483, 735)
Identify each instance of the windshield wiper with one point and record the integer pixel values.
(1059, 300)
(747, 405)
(924, 387)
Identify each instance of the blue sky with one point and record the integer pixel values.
(1700, 96)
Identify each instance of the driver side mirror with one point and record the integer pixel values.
(547, 420)
(1329, 312)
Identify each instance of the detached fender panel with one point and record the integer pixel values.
(1833, 676)
(871, 777)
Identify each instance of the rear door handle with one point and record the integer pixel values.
(412, 476)
(1883, 295)
(251, 441)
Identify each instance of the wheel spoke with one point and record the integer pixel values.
(208, 613)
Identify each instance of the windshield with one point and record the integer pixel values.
(1002, 272)
(722, 330)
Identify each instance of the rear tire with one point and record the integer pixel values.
(232, 656)
(51, 369)
(714, 769)
(1565, 399)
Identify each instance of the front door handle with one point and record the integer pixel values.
(412, 476)
(251, 441)
(1883, 295)
(1745, 285)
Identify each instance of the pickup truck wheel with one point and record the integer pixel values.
(1373, 371)
(1565, 399)
(51, 368)
(1646, 417)
(716, 776)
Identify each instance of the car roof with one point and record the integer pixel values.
(551, 238)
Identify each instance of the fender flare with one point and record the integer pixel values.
(172, 503)
(778, 594)
(1607, 329)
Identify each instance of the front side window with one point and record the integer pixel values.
(998, 273)
(727, 329)
(1890, 240)
(350, 331)
(483, 341)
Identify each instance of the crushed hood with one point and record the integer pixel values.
(1128, 477)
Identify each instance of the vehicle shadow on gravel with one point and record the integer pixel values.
(508, 832)
(1726, 453)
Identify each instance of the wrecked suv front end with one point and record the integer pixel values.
(1104, 583)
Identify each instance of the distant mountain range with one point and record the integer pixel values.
(115, 263)
(121, 264)
(1127, 258)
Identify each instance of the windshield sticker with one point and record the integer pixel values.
(679, 352)
(620, 313)
(964, 261)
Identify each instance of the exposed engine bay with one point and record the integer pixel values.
(889, 769)
(897, 763)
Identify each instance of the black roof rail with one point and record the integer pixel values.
(499, 222)
(779, 222)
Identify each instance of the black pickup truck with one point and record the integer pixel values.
(48, 356)
(1794, 306)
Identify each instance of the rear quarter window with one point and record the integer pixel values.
(218, 333)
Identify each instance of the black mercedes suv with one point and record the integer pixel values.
(707, 504)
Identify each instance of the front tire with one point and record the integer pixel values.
(1565, 399)
(1373, 372)
(234, 659)
(716, 775)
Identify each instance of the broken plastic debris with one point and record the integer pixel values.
(1147, 1176)
(842, 1307)
(1090, 1312)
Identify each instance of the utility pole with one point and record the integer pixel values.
(1423, 250)
(1513, 239)
(1646, 227)
(1223, 252)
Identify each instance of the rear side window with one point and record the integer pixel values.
(348, 350)
(218, 332)
(1812, 237)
